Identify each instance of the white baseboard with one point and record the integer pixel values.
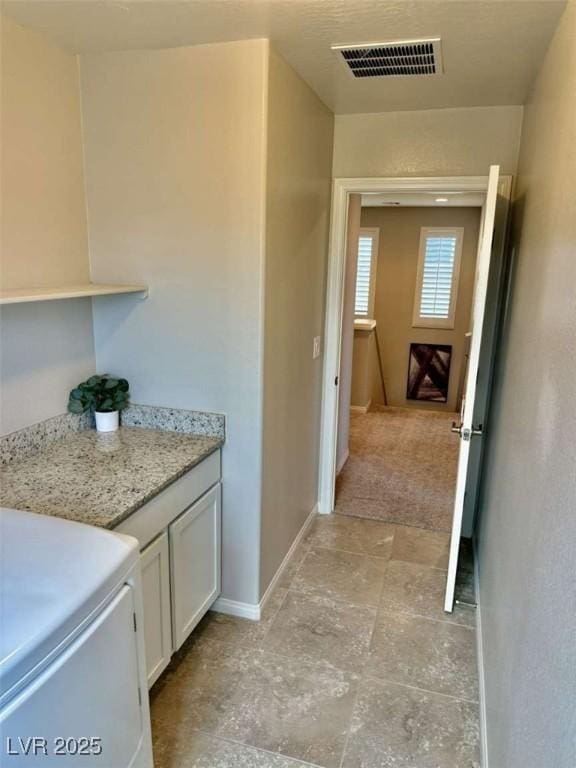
(480, 655)
(278, 575)
(343, 460)
(235, 608)
(253, 611)
(361, 408)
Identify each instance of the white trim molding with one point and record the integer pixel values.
(235, 608)
(253, 611)
(342, 189)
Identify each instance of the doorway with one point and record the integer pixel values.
(412, 301)
(492, 194)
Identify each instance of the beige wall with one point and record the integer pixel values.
(347, 341)
(46, 348)
(175, 164)
(395, 289)
(299, 158)
(44, 240)
(366, 380)
(435, 142)
(527, 553)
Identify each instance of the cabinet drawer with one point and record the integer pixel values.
(194, 564)
(148, 521)
(155, 566)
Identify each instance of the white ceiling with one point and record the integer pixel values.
(491, 48)
(424, 199)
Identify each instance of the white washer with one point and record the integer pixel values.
(72, 672)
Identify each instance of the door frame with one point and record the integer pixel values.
(342, 189)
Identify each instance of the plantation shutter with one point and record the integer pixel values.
(438, 276)
(365, 274)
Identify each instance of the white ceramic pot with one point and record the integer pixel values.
(107, 422)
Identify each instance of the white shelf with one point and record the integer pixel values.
(364, 324)
(26, 295)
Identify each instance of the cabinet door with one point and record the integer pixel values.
(156, 599)
(195, 563)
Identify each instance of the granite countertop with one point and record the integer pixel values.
(101, 479)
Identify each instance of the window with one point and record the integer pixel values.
(366, 272)
(437, 281)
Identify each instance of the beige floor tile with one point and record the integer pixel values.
(403, 727)
(415, 545)
(270, 694)
(297, 709)
(198, 683)
(317, 629)
(433, 655)
(229, 629)
(204, 751)
(341, 575)
(294, 564)
(419, 590)
(350, 534)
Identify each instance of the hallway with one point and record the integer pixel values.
(354, 664)
(401, 468)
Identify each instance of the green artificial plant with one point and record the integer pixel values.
(99, 393)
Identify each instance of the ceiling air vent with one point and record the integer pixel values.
(394, 59)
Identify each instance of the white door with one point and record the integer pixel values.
(467, 429)
(155, 566)
(195, 563)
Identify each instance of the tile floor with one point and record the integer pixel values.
(354, 665)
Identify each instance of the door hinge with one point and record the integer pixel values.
(135, 622)
(336, 381)
(139, 696)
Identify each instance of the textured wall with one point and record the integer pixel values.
(435, 142)
(396, 275)
(174, 144)
(46, 348)
(527, 543)
(299, 159)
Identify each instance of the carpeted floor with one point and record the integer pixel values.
(402, 468)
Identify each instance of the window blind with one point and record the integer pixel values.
(363, 275)
(438, 276)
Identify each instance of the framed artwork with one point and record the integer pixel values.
(429, 372)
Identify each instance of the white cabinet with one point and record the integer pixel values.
(155, 566)
(179, 535)
(151, 519)
(194, 563)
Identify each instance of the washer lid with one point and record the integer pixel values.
(53, 574)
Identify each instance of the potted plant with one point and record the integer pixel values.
(105, 395)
